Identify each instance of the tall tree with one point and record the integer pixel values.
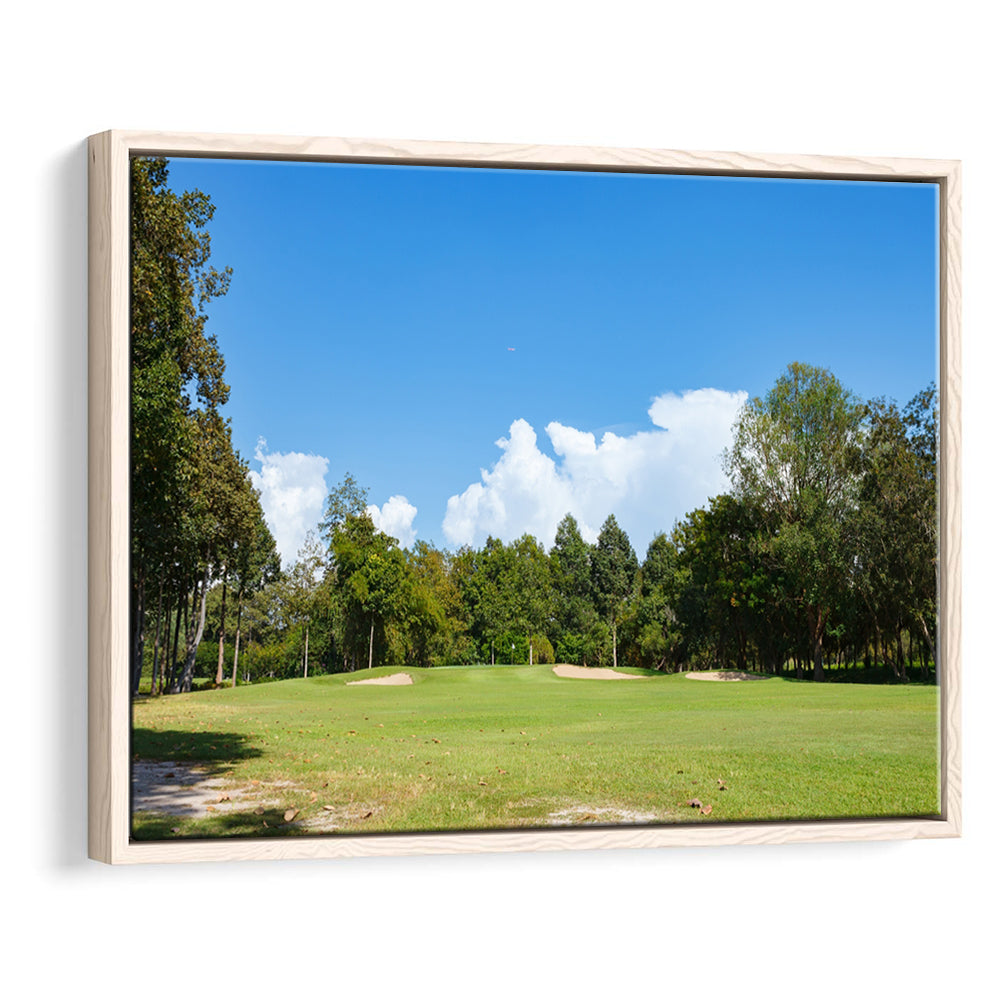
(613, 569)
(171, 354)
(570, 559)
(796, 458)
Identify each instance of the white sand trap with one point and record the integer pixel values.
(723, 675)
(595, 673)
(391, 679)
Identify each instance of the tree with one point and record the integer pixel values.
(613, 569)
(655, 627)
(172, 354)
(373, 581)
(574, 612)
(897, 525)
(349, 499)
(796, 458)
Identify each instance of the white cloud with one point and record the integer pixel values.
(395, 518)
(293, 490)
(648, 480)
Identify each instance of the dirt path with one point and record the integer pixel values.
(594, 673)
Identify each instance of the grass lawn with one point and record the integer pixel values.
(477, 748)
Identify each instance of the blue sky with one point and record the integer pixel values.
(373, 309)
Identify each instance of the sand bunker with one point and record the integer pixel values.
(391, 679)
(723, 675)
(596, 673)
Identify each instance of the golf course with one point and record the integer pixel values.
(459, 748)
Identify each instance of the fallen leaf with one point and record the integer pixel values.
(523, 733)
(706, 810)
(265, 823)
(259, 811)
(224, 797)
(367, 815)
(330, 808)
(210, 809)
(290, 814)
(254, 782)
(694, 803)
(501, 770)
(313, 796)
(435, 740)
(722, 785)
(175, 829)
(481, 781)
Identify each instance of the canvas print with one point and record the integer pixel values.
(471, 498)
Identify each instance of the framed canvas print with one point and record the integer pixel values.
(455, 497)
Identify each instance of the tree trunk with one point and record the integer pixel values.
(156, 641)
(305, 657)
(818, 659)
(138, 616)
(169, 680)
(371, 643)
(816, 621)
(195, 631)
(220, 672)
(614, 643)
(236, 655)
(239, 618)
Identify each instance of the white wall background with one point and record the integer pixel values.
(906, 79)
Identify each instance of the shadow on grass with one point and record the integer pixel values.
(206, 748)
(156, 826)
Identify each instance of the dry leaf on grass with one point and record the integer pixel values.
(706, 810)
(290, 814)
(259, 811)
(694, 803)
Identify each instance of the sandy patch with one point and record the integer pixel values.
(197, 790)
(164, 786)
(723, 675)
(582, 815)
(596, 673)
(391, 679)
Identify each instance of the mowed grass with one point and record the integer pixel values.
(514, 747)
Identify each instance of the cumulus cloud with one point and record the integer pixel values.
(395, 518)
(648, 480)
(293, 490)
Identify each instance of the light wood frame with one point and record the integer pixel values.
(109, 708)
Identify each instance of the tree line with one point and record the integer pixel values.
(196, 521)
(823, 551)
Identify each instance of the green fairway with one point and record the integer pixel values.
(476, 748)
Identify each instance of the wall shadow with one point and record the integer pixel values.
(66, 458)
